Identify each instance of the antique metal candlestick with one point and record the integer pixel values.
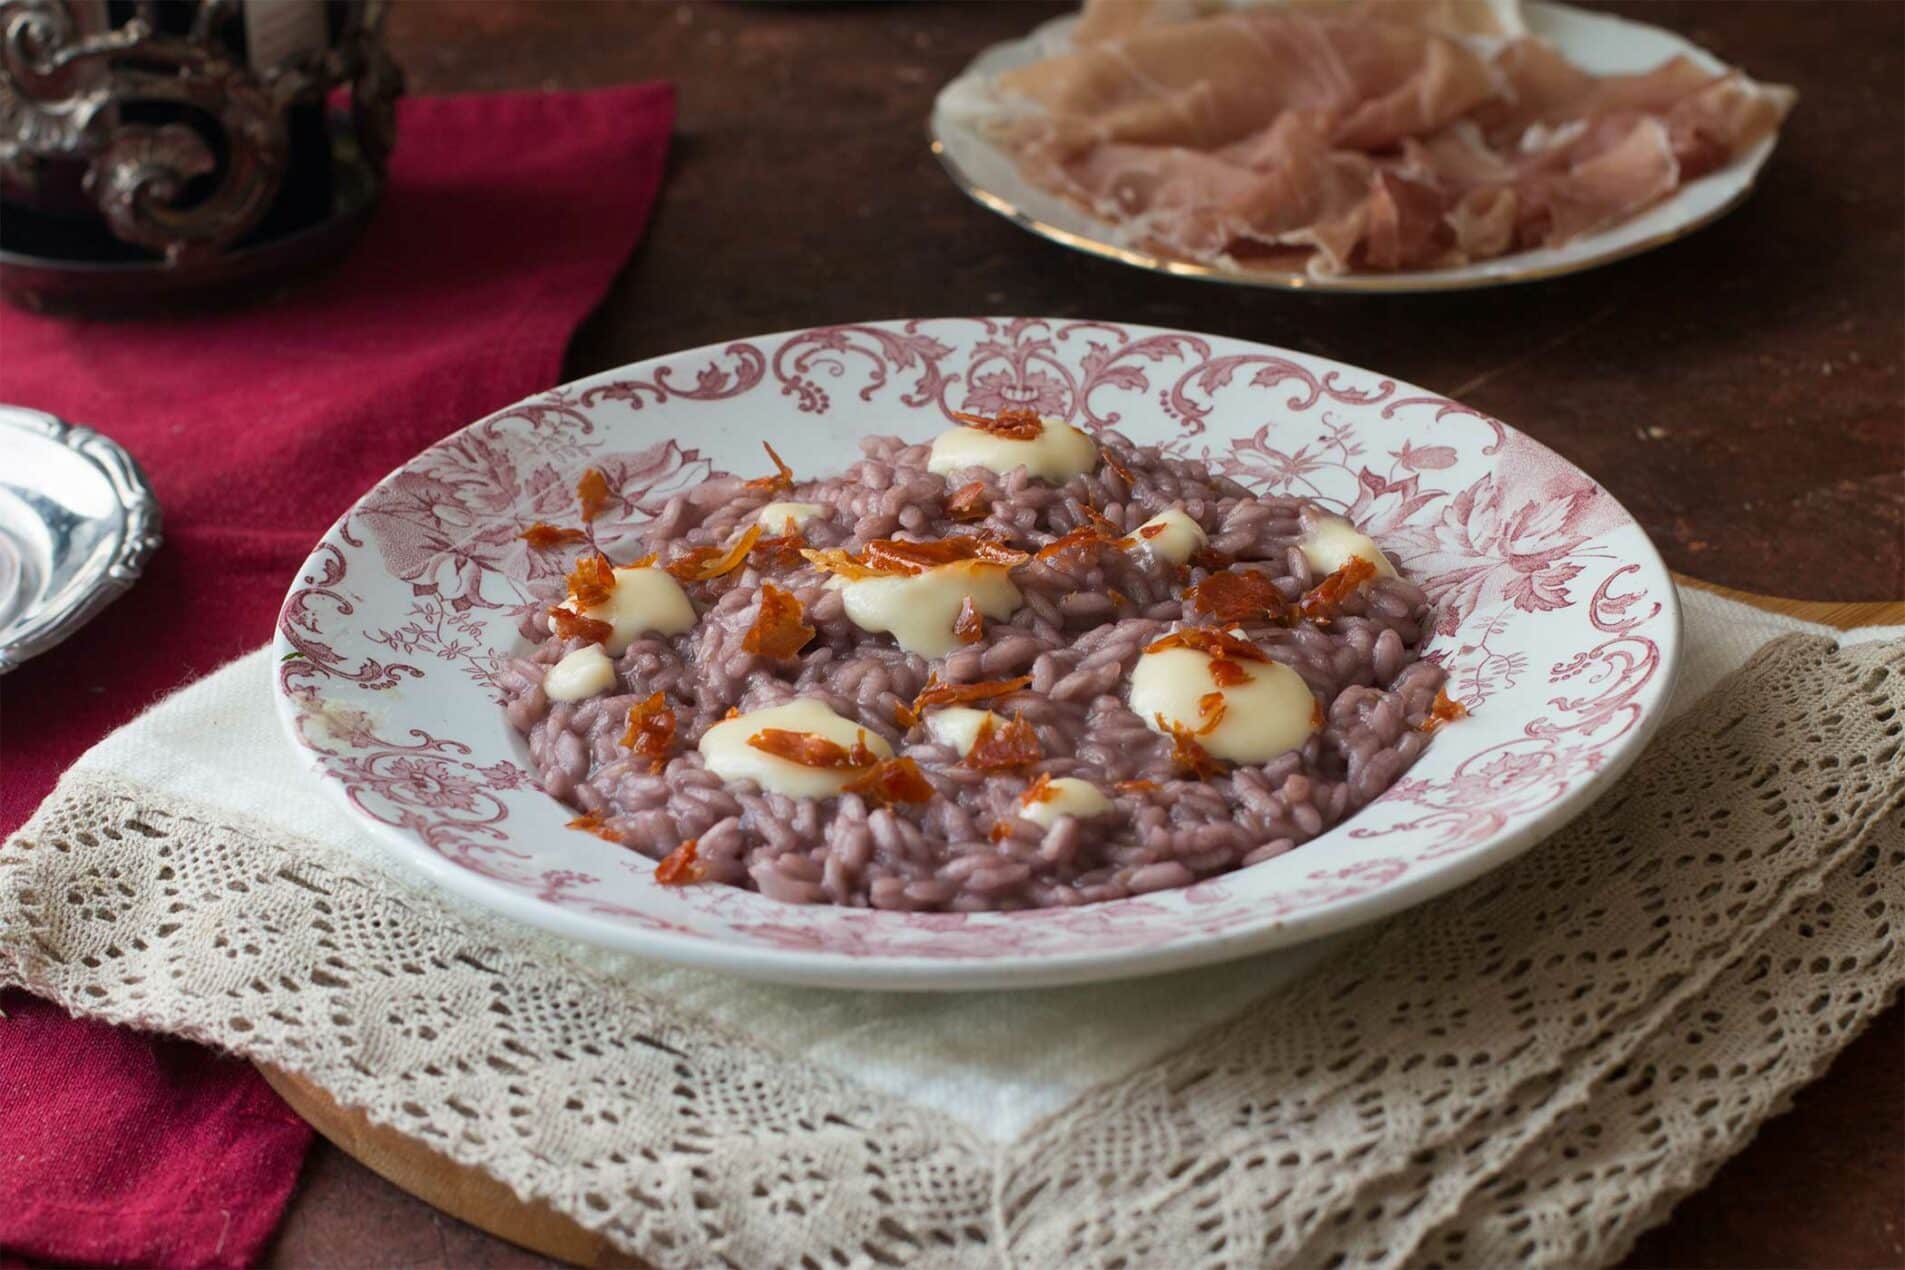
(162, 151)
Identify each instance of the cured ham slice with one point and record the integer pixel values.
(1113, 19)
(1608, 186)
(1209, 82)
(1371, 135)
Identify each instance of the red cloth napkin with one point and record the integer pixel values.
(506, 218)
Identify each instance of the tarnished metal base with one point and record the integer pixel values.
(33, 277)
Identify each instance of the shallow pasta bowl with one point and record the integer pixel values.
(1554, 616)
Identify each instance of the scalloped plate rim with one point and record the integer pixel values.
(945, 972)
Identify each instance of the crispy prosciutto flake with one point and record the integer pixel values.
(703, 564)
(1080, 541)
(839, 561)
(596, 823)
(1004, 748)
(892, 781)
(896, 557)
(1324, 600)
(592, 493)
(1444, 709)
(783, 550)
(893, 555)
(782, 479)
(1014, 424)
(780, 628)
(1099, 521)
(1111, 461)
(569, 624)
(651, 731)
(970, 625)
(1246, 595)
(1039, 791)
(1187, 752)
(680, 867)
(1135, 787)
(1213, 642)
(1210, 710)
(542, 536)
(1226, 673)
(942, 694)
(810, 749)
(1211, 559)
(969, 502)
(591, 580)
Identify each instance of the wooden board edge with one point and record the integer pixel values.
(464, 1192)
(1844, 614)
(472, 1196)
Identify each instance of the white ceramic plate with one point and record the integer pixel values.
(1554, 616)
(1597, 42)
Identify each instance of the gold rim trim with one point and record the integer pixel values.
(1341, 284)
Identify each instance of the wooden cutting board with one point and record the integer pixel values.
(473, 1196)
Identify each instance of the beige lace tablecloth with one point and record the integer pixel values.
(1529, 1070)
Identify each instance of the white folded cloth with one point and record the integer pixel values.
(1399, 1095)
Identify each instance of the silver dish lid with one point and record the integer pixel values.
(78, 520)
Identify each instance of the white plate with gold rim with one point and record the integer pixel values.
(1597, 42)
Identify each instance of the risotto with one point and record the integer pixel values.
(1014, 668)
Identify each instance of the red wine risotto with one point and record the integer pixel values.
(1017, 667)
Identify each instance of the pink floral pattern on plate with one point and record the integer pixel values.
(1555, 618)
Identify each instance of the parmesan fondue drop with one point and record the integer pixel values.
(1170, 536)
(582, 673)
(775, 516)
(1058, 453)
(730, 757)
(643, 600)
(919, 610)
(1271, 711)
(1066, 796)
(1334, 542)
(958, 726)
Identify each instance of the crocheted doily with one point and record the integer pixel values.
(1529, 1070)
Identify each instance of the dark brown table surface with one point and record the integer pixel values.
(1739, 391)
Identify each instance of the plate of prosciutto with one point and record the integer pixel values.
(962, 653)
(1356, 145)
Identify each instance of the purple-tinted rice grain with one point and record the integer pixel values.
(1085, 619)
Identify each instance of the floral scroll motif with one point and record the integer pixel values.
(422, 589)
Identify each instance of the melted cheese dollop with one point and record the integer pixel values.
(775, 516)
(643, 600)
(1066, 796)
(724, 746)
(582, 673)
(919, 611)
(1335, 542)
(1058, 453)
(1170, 536)
(958, 726)
(1272, 711)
